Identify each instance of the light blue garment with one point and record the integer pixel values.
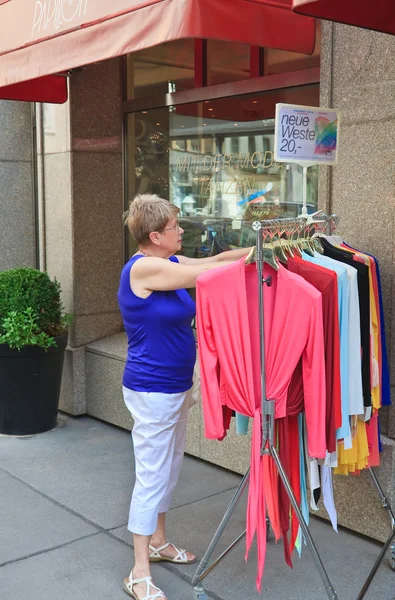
(355, 388)
(242, 424)
(343, 293)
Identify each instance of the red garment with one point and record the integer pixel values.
(325, 281)
(372, 431)
(289, 454)
(228, 335)
(288, 438)
(295, 473)
(284, 453)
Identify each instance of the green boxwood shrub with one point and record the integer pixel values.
(31, 310)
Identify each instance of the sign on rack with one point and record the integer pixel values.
(306, 135)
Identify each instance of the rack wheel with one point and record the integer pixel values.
(199, 593)
(267, 529)
(392, 559)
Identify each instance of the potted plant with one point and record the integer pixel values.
(33, 338)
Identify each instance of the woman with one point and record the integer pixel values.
(157, 312)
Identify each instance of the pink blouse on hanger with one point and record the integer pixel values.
(228, 342)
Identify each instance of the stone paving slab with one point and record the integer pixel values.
(85, 465)
(30, 523)
(91, 569)
(347, 557)
(85, 468)
(89, 467)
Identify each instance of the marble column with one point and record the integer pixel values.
(358, 77)
(17, 198)
(82, 200)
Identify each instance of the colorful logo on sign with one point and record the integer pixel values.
(326, 135)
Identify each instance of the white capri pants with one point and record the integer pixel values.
(159, 433)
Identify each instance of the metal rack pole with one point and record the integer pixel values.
(202, 569)
(387, 505)
(268, 447)
(376, 566)
(268, 420)
(391, 539)
(257, 227)
(330, 590)
(384, 500)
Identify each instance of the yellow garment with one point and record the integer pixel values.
(375, 334)
(356, 458)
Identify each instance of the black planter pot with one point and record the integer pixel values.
(29, 388)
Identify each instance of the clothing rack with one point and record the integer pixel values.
(268, 438)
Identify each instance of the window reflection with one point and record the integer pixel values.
(227, 62)
(214, 160)
(161, 69)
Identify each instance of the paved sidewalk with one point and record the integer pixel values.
(64, 500)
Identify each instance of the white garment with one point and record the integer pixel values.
(159, 432)
(356, 406)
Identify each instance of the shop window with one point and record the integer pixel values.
(170, 67)
(227, 62)
(214, 160)
(161, 69)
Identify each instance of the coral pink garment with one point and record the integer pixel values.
(228, 341)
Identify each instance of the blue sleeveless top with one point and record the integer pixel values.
(161, 344)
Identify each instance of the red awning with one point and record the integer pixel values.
(40, 38)
(51, 88)
(378, 15)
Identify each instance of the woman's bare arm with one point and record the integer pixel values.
(228, 256)
(158, 274)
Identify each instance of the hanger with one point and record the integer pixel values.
(269, 257)
(313, 240)
(305, 242)
(285, 245)
(331, 221)
(293, 237)
(251, 256)
(316, 238)
(268, 254)
(317, 245)
(284, 242)
(292, 241)
(276, 243)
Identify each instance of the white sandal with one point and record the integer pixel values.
(129, 582)
(180, 559)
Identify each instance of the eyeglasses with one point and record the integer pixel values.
(175, 226)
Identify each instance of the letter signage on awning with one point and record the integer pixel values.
(306, 135)
(39, 38)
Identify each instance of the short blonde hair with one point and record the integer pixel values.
(148, 213)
